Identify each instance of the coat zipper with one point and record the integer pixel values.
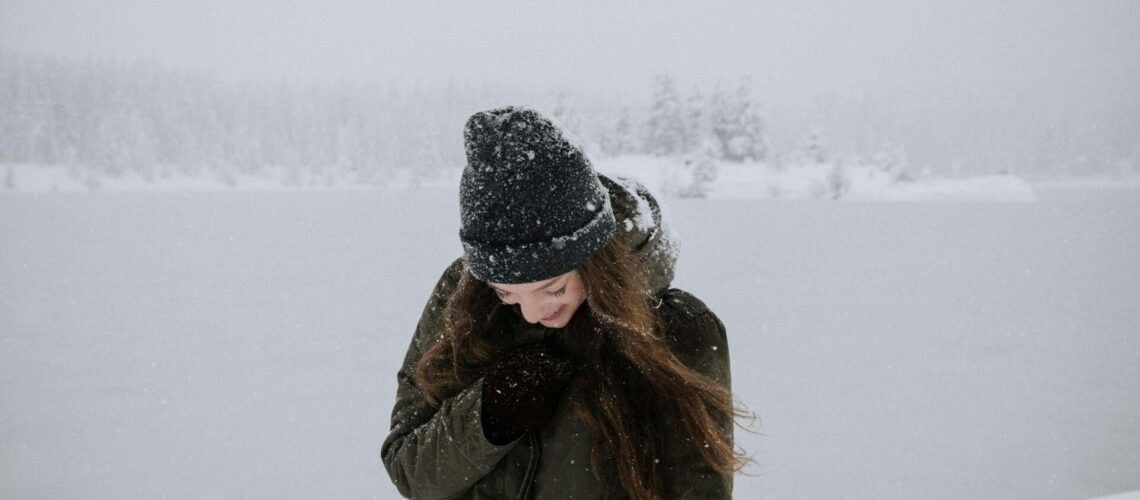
(532, 465)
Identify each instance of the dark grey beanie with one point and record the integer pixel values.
(531, 206)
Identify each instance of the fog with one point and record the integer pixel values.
(794, 50)
(980, 86)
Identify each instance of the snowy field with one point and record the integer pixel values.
(244, 345)
(664, 175)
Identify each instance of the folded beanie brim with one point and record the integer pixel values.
(536, 261)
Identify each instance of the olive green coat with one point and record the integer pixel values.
(441, 452)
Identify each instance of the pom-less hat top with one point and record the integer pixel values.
(531, 205)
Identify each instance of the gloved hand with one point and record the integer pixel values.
(521, 390)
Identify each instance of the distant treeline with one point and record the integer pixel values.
(103, 117)
(115, 118)
(141, 118)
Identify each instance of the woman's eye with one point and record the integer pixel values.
(559, 292)
(501, 294)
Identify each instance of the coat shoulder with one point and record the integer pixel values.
(453, 272)
(689, 327)
(678, 307)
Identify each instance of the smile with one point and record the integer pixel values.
(555, 315)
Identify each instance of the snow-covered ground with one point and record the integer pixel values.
(669, 176)
(244, 344)
(1128, 495)
(812, 181)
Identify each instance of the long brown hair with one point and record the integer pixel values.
(628, 371)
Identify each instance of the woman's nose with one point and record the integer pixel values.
(533, 312)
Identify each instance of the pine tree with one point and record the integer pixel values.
(619, 140)
(891, 160)
(702, 171)
(695, 114)
(736, 126)
(427, 158)
(814, 148)
(838, 180)
(665, 130)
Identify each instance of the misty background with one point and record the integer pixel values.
(360, 89)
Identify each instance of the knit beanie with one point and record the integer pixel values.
(531, 206)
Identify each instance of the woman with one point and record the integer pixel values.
(553, 360)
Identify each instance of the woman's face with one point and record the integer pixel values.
(551, 302)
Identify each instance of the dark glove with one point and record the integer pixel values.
(521, 390)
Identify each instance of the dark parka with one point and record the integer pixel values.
(442, 452)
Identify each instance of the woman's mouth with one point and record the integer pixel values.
(555, 315)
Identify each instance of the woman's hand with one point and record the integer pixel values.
(521, 390)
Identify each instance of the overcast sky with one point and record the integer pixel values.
(793, 48)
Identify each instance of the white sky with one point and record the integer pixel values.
(795, 48)
(973, 83)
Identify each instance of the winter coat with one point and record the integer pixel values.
(442, 452)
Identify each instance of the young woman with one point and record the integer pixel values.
(553, 360)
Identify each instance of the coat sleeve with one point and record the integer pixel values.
(436, 452)
(702, 345)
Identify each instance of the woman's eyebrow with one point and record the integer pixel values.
(548, 285)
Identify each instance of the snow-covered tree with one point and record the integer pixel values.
(838, 180)
(619, 140)
(666, 129)
(813, 148)
(702, 171)
(427, 157)
(737, 128)
(123, 143)
(891, 160)
(696, 123)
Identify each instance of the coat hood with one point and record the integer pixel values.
(641, 226)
